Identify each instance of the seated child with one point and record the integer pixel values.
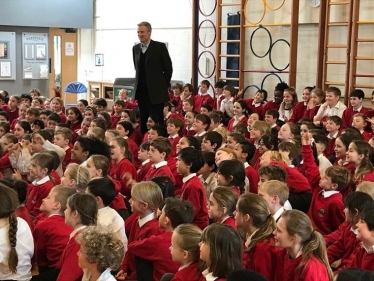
(221, 206)
(276, 194)
(211, 141)
(174, 213)
(104, 191)
(52, 234)
(146, 198)
(207, 173)
(144, 159)
(174, 126)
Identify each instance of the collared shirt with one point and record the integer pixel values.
(186, 179)
(224, 219)
(113, 222)
(334, 136)
(174, 137)
(246, 165)
(337, 110)
(227, 106)
(237, 120)
(368, 249)
(328, 193)
(161, 164)
(355, 231)
(200, 134)
(324, 163)
(256, 104)
(145, 162)
(184, 266)
(278, 213)
(75, 231)
(144, 47)
(146, 219)
(208, 275)
(167, 115)
(210, 183)
(357, 110)
(43, 180)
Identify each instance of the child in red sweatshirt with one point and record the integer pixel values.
(185, 250)
(52, 234)
(146, 198)
(174, 213)
(364, 256)
(326, 209)
(340, 253)
(189, 163)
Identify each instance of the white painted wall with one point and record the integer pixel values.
(116, 24)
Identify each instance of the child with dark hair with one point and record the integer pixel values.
(52, 120)
(144, 159)
(205, 109)
(244, 151)
(271, 118)
(218, 94)
(207, 172)
(356, 98)
(278, 97)
(221, 249)
(201, 124)
(340, 252)
(85, 147)
(101, 104)
(125, 130)
(174, 126)
(333, 124)
(104, 191)
(189, 119)
(245, 275)
(301, 107)
(75, 118)
(17, 242)
(20, 186)
(166, 185)
(231, 173)
(157, 131)
(190, 161)
(203, 97)
(174, 213)
(211, 141)
(363, 257)
(240, 115)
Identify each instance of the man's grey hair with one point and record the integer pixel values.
(146, 24)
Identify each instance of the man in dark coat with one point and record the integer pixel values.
(153, 74)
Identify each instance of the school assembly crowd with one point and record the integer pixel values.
(227, 188)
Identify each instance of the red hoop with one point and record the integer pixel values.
(214, 68)
(215, 34)
(207, 15)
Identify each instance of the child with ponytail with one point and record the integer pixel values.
(185, 250)
(303, 255)
(17, 245)
(222, 204)
(253, 216)
(122, 164)
(76, 176)
(231, 173)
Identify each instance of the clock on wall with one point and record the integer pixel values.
(315, 3)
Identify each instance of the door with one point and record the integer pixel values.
(64, 61)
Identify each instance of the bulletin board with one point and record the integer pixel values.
(35, 56)
(7, 56)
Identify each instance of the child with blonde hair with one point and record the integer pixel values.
(146, 199)
(185, 250)
(366, 187)
(76, 176)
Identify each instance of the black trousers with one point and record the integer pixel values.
(146, 109)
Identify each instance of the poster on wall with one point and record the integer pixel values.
(69, 48)
(35, 55)
(7, 55)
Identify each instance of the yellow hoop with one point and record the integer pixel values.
(245, 13)
(274, 9)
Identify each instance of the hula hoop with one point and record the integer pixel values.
(245, 13)
(270, 74)
(274, 9)
(271, 61)
(253, 86)
(214, 68)
(207, 15)
(251, 41)
(198, 34)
